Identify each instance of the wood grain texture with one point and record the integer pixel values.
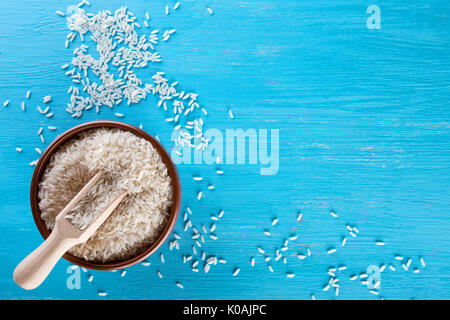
(364, 130)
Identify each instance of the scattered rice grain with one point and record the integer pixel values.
(422, 261)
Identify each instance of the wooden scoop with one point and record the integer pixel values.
(33, 270)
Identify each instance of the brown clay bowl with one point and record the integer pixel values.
(40, 168)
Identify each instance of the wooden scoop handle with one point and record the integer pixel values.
(33, 270)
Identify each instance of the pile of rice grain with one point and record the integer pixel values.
(130, 163)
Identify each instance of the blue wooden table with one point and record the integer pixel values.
(364, 132)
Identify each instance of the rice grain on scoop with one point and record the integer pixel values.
(130, 163)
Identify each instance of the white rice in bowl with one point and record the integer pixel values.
(130, 163)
